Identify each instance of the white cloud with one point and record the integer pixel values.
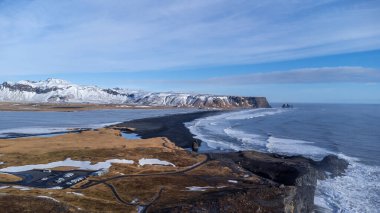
(46, 36)
(305, 75)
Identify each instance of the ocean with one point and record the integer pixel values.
(312, 130)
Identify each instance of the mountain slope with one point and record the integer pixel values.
(61, 91)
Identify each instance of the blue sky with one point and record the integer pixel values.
(288, 51)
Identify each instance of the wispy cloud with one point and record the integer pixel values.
(49, 36)
(306, 75)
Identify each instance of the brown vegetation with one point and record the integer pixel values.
(9, 178)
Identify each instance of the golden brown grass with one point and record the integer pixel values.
(9, 178)
(101, 145)
(97, 139)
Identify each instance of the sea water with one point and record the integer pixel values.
(40, 123)
(313, 130)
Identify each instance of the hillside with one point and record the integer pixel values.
(61, 91)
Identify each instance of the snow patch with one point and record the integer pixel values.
(22, 188)
(153, 161)
(4, 187)
(55, 187)
(75, 193)
(202, 188)
(85, 165)
(47, 197)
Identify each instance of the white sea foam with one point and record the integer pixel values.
(254, 113)
(295, 147)
(247, 139)
(357, 191)
(85, 165)
(212, 129)
(201, 129)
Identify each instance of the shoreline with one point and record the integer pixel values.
(169, 126)
(283, 182)
(173, 127)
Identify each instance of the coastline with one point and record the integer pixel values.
(298, 171)
(270, 182)
(170, 126)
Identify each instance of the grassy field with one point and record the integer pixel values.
(95, 146)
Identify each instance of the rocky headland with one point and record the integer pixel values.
(156, 173)
(287, 183)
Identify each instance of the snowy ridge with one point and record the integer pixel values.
(61, 91)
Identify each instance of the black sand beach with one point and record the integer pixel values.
(171, 127)
(297, 171)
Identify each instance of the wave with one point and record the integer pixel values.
(201, 132)
(357, 191)
(296, 147)
(247, 140)
(216, 131)
(255, 113)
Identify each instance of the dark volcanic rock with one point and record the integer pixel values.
(27, 88)
(287, 183)
(257, 199)
(296, 172)
(331, 166)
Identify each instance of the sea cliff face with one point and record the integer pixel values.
(285, 184)
(267, 182)
(60, 91)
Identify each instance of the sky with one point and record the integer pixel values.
(325, 51)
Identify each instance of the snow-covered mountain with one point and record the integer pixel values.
(60, 91)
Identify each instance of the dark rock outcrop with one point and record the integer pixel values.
(258, 199)
(287, 185)
(296, 173)
(330, 166)
(27, 88)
